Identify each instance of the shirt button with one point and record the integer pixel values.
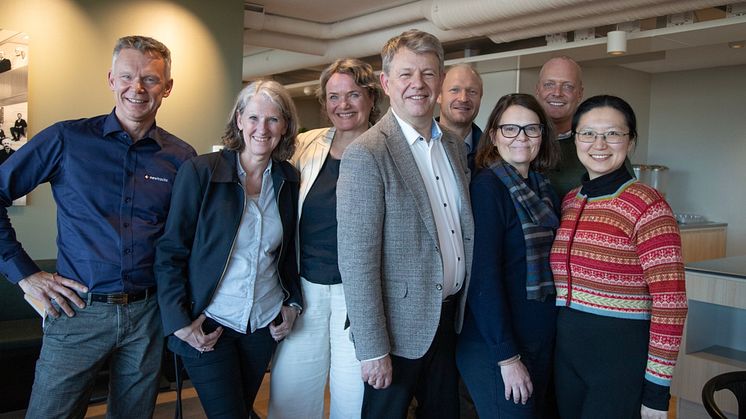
(129, 172)
(126, 225)
(127, 251)
(438, 287)
(445, 205)
(437, 177)
(128, 200)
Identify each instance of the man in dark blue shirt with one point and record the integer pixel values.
(111, 177)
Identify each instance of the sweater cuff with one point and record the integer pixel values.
(505, 350)
(655, 396)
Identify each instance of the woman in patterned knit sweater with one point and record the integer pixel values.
(619, 275)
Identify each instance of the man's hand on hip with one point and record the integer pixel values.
(46, 287)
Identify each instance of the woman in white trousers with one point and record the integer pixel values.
(319, 346)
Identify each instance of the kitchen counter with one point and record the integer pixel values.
(694, 226)
(734, 266)
(703, 241)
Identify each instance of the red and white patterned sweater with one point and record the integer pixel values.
(619, 255)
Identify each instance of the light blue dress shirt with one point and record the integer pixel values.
(249, 296)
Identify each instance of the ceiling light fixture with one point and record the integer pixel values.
(736, 44)
(616, 42)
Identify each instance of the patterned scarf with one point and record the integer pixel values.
(539, 222)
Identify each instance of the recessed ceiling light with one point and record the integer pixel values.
(737, 44)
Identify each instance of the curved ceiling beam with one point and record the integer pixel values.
(293, 43)
(448, 14)
(272, 62)
(407, 13)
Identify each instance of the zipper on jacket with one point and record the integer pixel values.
(282, 243)
(570, 242)
(233, 244)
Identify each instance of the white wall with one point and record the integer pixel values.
(632, 86)
(698, 130)
(495, 86)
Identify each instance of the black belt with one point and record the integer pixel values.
(119, 298)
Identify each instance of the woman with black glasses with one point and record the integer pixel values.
(506, 346)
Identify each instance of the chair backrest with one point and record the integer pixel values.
(733, 381)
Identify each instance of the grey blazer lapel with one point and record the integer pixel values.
(401, 154)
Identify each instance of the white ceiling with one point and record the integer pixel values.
(655, 49)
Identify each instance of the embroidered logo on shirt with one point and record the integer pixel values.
(156, 178)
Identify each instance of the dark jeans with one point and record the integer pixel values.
(228, 378)
(600, 365)
(482, 376)
(432, 379)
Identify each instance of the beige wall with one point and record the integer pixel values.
(309, 111)
(69, 57)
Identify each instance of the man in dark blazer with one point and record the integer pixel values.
(459, 101)
(405, 233)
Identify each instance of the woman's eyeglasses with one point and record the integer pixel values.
(513, 130)
(611, 137)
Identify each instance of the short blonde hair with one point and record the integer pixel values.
(416, 40)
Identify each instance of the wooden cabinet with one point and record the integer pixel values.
(713, 342)
(702, 242)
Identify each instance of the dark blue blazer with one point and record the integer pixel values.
(476, 135)
(497, 311)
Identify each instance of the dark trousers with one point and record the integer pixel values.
(228, 378)
(482, 376)
(432, 379)
(17, 133)
(599, 365)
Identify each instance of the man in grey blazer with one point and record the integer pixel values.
(405, 232)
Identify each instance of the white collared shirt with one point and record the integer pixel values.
(249, 296)
(445, 201)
